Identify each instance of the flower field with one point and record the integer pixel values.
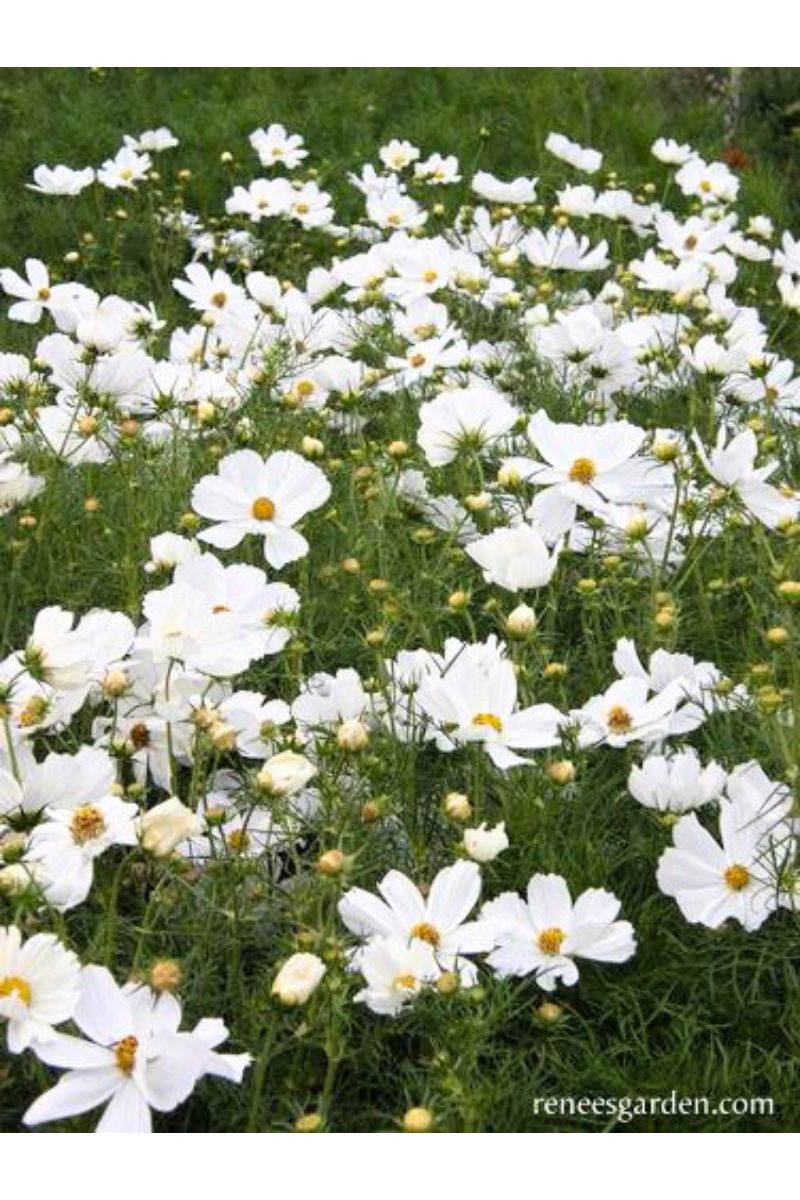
(399, 677)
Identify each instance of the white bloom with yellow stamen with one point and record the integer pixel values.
(265, 497)
(39, 986)
(546, 932)
(134, 1057)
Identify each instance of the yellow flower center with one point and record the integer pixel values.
(690, 243)
(87, 824)
(238, 841)
(737, 877)
(33, 711)
(490, 719)
(407, 982)
(431, 276)
(549, 940)
(263, 509)
(219, 299)
(417, 360)
(583, 470)
(426, 933)
(301, 208)
(705, 186)
(12, 985)
(126, 173)
(220, 608)
(619, 720)
(125, 1054)
(394, 219)
(43, 293)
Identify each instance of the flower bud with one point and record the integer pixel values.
(167, 825)
(352, 736)
(312, 447)
(561, 772)
(298, 979)
(331, 863)
(165, 975)
(548, 1011)
(115, 683)
(483, 845)
(418, 1120)
(308, 1123)
(457, 806)
(285, 774)
(521, 621)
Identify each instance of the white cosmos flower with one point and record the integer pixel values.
(733, 465)
(676, 784)
(395, 971)
(125, 170)
(626, 713)
(561, 250)
(514, 558)
(466, 418)
(667, 150)
(735, 877)
(63, 847)
(39, 986)
(59, 780)
(265, 497)
(398, 154)
(34, 294)
(573, 153)
(497, 191)
(586, 465)
(439, 920)
(473, 698)
(60, 180)
(134, 1057)
(255, 720)
(55, 652)
(274, 146)
(697, 684)
(544, 934)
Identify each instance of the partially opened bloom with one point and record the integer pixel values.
(265, 497)
(134, 1057)
(676, 784)
(298, 979)
(544, 934)
(514, 558)
(60, 180)
(39, 986)
(483, 845)
(573, 153)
